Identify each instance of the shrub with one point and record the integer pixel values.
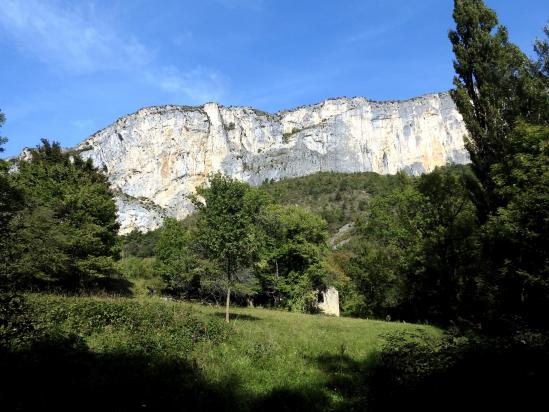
(124, 325)
(16, 327)
(460, 373)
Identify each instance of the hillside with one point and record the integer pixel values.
(338, 197)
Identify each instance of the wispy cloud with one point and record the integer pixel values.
(200, 83)
(181, 39)
(72, 39)
(401, 16)
(80, 40)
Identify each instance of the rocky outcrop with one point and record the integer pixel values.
(156, 157)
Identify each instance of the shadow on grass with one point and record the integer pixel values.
(236, 316)
(479, 378)
(292, 400)
(347, 380)
(62, 374)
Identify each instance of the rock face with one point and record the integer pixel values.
(155, 157)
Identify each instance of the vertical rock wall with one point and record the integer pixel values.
(155, 157)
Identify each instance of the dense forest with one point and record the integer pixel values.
(464, 248)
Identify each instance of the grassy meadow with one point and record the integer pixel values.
(149, 353)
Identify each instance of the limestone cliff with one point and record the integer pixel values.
(157, 156)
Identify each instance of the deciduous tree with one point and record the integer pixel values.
(226, 227)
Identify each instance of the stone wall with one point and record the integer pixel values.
(329, 302)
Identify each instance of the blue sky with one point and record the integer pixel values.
(70, 68)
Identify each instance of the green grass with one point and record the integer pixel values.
(273, 349)
(261, 359)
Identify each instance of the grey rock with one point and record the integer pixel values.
(157, 156)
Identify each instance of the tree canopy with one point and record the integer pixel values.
(65, 236)
(226, 227)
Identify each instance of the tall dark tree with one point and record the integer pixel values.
(66, 235)
(494, 87)
(11, 201)
(504, 100)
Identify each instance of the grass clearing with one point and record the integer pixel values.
(149, 351)
(269, 350)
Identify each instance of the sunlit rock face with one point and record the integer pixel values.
(157, 156)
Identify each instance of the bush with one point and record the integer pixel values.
(124, 325)
(460, 373)
(16, 327)
(102, 354)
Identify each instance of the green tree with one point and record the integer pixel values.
(66, 235)
(11, 201)
(177, 261)
(226, 227)
(417, 256)
(495, 85)
(504, 100)
(295, 245)
(447, 288)
(388, 250)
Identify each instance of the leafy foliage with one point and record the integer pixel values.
(11, 202)
(339, 198)
(226, 229)
(473, 371)
(517, 234)
(16, 324)
(139, 244)
(495, 86)
(177, 262)
(295, 243)
(416, 254)
(66, 234)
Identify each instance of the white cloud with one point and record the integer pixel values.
(72, 39)
(200, 84)
(78, 40)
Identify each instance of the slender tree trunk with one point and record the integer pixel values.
(276, 299)
(228, 303)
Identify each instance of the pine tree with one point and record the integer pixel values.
(504, 100)
(495, 86)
